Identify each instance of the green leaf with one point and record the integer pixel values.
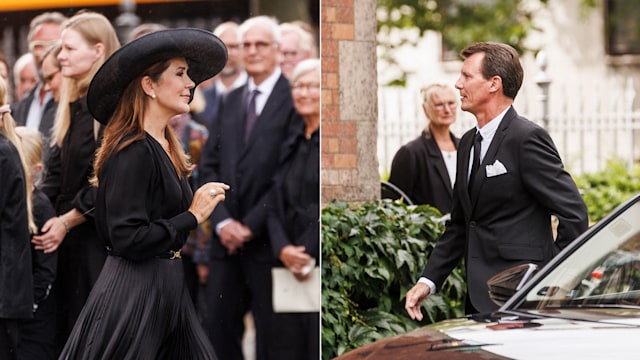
(372, 253)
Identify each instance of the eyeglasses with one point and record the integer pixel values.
(441, 105)
(289, 54)
(260, 45)
(40, 44)
(310, 87)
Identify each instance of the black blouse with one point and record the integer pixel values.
(142, 204)
(296, 214)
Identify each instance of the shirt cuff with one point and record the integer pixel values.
(221, 224)
(429, 283)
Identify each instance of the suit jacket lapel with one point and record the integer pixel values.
(271, 106)
(235, 106)
(434, 152)
(492, 152)
(464, 154)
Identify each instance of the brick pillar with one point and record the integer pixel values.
(349, 101)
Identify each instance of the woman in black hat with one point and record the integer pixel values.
(144, 208)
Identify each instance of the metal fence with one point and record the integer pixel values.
(589, 124)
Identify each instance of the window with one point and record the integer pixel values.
(622, 27)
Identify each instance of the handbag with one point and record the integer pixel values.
(293, 296)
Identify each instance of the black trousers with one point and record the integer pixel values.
(298, 336)
(238, 284)
(8, 339)
(37, 335)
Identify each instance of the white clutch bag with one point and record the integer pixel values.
(293, 296)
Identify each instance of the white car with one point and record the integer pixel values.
(584, 304)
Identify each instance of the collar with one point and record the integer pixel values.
(489, 130)
(241, 80)
(267, 85)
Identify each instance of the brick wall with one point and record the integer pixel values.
(349, 101)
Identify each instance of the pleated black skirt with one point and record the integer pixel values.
(139, 310)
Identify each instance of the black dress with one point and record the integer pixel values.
(66, 183)
(140, 308)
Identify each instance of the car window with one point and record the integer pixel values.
(604, 272)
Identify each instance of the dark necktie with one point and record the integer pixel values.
(477, 140)
(251, 114)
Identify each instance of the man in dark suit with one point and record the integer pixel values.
(243, 150)
(502, 206)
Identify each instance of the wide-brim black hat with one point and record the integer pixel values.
(204, 52)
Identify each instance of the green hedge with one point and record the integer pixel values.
(604, 190)
(372, 254)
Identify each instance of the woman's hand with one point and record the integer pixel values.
(53, 232)
(206, 198)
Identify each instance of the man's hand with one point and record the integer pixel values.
(414, 299)
(295, 258)
(233, 235)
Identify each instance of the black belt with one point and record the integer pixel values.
(171, 254)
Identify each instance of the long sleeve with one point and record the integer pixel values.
(16, 295)
(545, 177)
(144, 212)
(44, 265)
(403, 166)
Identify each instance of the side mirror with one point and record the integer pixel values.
(506, 283)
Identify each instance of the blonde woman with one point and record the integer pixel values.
(425, 168)
(37, 335)
(87, 40)
(16, 292)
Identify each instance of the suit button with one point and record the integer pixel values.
(472, 224)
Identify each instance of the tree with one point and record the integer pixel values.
(461, 22)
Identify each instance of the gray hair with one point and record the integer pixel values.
(52, 17)
(304, 67)
(269, 21)
(23, 61)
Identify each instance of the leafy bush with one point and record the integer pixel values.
(372, 254)
(603, 191)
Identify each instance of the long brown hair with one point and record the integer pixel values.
(94, 28)
(127, 121)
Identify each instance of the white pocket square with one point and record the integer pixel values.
(496, 169)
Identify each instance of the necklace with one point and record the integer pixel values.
(448, 154)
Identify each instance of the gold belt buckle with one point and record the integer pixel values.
(175, 255)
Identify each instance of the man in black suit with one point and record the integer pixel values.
(502, 207)
(243, 150)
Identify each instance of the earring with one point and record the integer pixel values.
(153, 96)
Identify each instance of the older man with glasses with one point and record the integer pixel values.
(44, 31)
(243, 150)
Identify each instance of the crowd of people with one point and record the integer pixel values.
(140, 178)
